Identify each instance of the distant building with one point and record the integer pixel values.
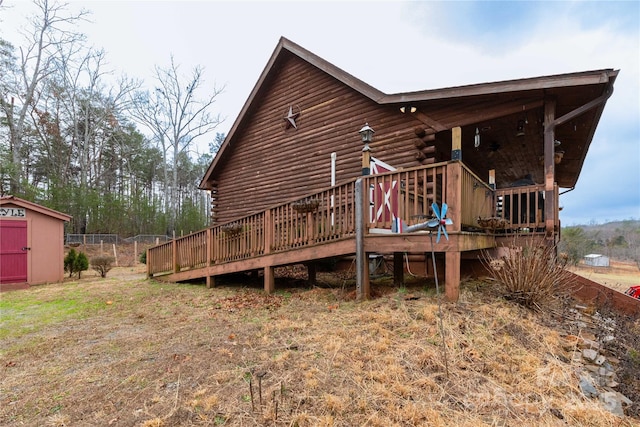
(596, 260)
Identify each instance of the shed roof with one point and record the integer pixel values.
(5, 200)
(581, 94)
(593, 256)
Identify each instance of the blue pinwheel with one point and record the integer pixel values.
(440, 220)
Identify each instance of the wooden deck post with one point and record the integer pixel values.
(452, 276)
(149, 275)
(456, 143)
(311, 273)
(398, 269)
(492, 179)
(174, 253)
(549, 166)
(454, 195)
(269, 280)
(362, 260)
(211, 281)
(268, 231)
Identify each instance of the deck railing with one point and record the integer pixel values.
(521, 207)
(329, 215)
(477, 199)
(320, 217)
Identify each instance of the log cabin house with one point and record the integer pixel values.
(294, 183)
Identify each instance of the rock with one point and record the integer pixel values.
(612, 403)
(589, 354)
(587, 387)
(592, 368)
(590, 344)
(624, 399)
(600, 360)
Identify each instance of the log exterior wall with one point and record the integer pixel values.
(268, 163)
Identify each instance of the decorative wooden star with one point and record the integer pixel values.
(290, 118)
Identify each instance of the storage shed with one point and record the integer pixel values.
(31, 243)
(596, 260)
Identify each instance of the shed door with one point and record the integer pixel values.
(13, 251)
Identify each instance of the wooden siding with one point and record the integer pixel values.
(268, 163)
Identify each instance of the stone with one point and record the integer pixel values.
(624, 399)
(587, 387)
(612, 403)
(600, 360)
(589, 354)
(589, 344)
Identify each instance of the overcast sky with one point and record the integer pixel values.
(398, 47)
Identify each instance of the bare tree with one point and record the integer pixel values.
(176, 116)
(50, 28)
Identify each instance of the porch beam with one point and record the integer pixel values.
(549, 166)
(583, 109)
(432, 123)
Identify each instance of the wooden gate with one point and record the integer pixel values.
(13, 251)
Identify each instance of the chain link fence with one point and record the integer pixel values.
(96, 239)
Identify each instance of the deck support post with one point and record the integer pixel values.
(211, 282)
(269, 280)
(362, 259)
(398, 269)
(311, 273)
(452, 276)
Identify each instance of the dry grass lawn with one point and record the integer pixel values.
(619, 275)
(124, 351)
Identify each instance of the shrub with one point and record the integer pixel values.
(75, 262)
(143, 257)
(81, 264)
(530, 274)
(69, 261)
(102, 264)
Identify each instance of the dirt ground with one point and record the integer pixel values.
(126, 351)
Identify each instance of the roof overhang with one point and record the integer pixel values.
(12, 200)
(572, 92)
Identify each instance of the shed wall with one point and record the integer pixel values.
(45, 237)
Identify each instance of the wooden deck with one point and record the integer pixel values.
(326, 224)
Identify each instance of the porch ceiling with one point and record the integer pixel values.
(515, 152)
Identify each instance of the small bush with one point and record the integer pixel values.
(76, 262)
(69, 260)
(102, 264)
(143, 257)
(530, 274)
